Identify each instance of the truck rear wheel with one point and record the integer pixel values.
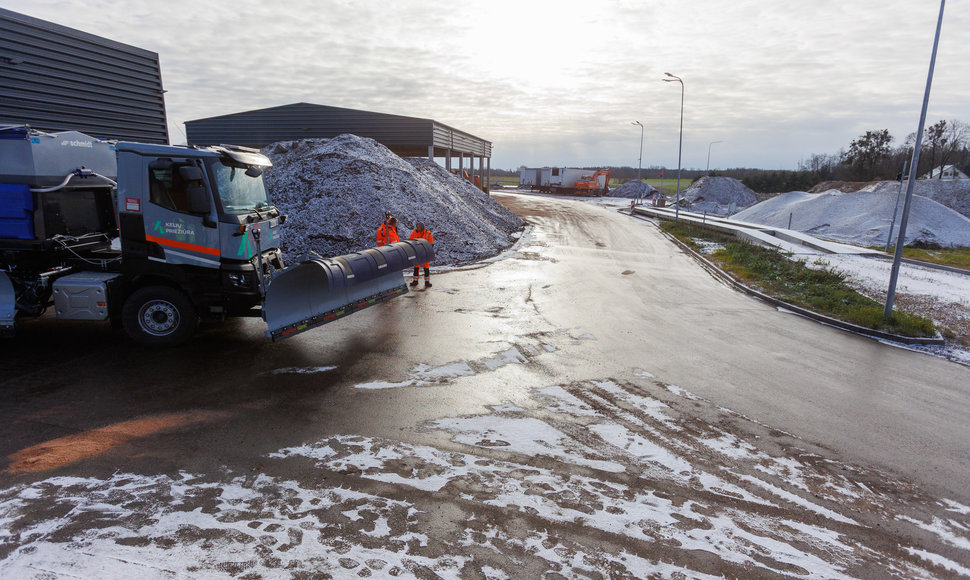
(159, 316)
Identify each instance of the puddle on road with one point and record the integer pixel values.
(423, 375)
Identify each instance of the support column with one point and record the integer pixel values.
(448, 159)
(431, 152)
(488, 174)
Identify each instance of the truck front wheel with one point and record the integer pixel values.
(159, 316)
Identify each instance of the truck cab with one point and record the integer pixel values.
(199, 219)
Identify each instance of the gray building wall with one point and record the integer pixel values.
(406, 136)
(56, 78)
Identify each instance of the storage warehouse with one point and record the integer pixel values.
(56, 78)
(405, 136)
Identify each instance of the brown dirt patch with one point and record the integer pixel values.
(66, 450)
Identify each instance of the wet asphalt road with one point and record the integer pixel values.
(607, 295)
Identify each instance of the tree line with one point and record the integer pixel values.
(870, 157)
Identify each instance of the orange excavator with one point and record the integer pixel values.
(476, 182)
(591, 184)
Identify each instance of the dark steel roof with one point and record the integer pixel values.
(56, 78)
(406, 136)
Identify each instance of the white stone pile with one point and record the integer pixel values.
(336, 192)
(717, 196)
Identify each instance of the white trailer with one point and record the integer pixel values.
(565, 180)
(535, 178)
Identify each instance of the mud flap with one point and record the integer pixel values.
(322, 290)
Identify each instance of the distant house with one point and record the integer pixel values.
(948, 171)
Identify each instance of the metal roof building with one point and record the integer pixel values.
(56, 78)
(405, 136)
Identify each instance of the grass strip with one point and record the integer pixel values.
(953, 257)
(821, 290)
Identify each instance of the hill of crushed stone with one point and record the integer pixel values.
(953, 193)
(861, 218)
(336, 192)
(633, 189)
(718, 196)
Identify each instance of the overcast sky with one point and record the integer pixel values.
(560, 82)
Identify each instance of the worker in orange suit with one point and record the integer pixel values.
(387, 233)
(421, 232)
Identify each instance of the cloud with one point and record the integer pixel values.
(560, 82)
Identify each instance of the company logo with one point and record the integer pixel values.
(75, 143)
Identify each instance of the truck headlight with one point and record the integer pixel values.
(238, 279)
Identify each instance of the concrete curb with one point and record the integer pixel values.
(848, 326)
(933, 266)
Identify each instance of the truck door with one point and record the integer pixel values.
(178, 213)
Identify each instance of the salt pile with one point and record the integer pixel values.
(718, 196)
(953, 193)
(633, 190)
(861, 218)
(337, 191)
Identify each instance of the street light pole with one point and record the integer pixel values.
(913, 164)
(708, 170)
(680, 147)
(639, 159)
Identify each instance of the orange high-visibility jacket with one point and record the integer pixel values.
(426, 235)
(387, 234)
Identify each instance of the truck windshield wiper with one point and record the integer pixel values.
(269, 208)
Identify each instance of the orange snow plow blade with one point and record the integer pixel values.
(322, 290)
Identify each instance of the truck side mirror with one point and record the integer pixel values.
(254, 171)
(161, 163)
(190, 173)
(198, 199)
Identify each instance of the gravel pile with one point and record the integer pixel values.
(632, 190)
(336, 192)
(861, 218)
(953, 193)
(721, 196)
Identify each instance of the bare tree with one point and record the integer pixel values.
(943, 144)
(957, 138)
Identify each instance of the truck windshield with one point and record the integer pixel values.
(238, 192)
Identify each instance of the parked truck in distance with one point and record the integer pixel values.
(565, 180)
(156, 238)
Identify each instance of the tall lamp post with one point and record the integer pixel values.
(913, 164)
(639, 159)
(680, 147)
(708, 171)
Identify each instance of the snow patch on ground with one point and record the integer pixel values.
(649, 475)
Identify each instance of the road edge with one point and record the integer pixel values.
(718, 273)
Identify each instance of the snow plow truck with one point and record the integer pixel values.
(156, 238)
